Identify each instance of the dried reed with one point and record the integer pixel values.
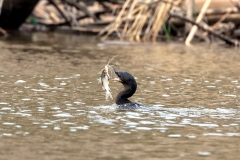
(139, 20)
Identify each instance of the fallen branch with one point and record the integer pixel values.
(60, 11)
(217, 23)
(199, 18)
(206, 28)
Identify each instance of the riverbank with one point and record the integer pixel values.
(141, 21)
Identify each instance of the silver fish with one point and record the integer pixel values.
(104, 79)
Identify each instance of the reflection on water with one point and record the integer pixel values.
(51, 106)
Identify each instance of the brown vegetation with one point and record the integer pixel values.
(144, 20)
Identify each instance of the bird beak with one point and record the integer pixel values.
(117, 79)
(116, 72)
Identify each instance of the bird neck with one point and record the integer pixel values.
(128, 91)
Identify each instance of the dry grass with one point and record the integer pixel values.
(139, 20)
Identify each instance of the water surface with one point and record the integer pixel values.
(51, 106)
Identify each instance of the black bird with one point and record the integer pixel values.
(130, 87)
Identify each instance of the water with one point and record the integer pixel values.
(51, 106)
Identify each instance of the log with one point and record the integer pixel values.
(211, 19)
(230, 18)
(217, 11)
(15, 12)
(206, 28)
(214, 4)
